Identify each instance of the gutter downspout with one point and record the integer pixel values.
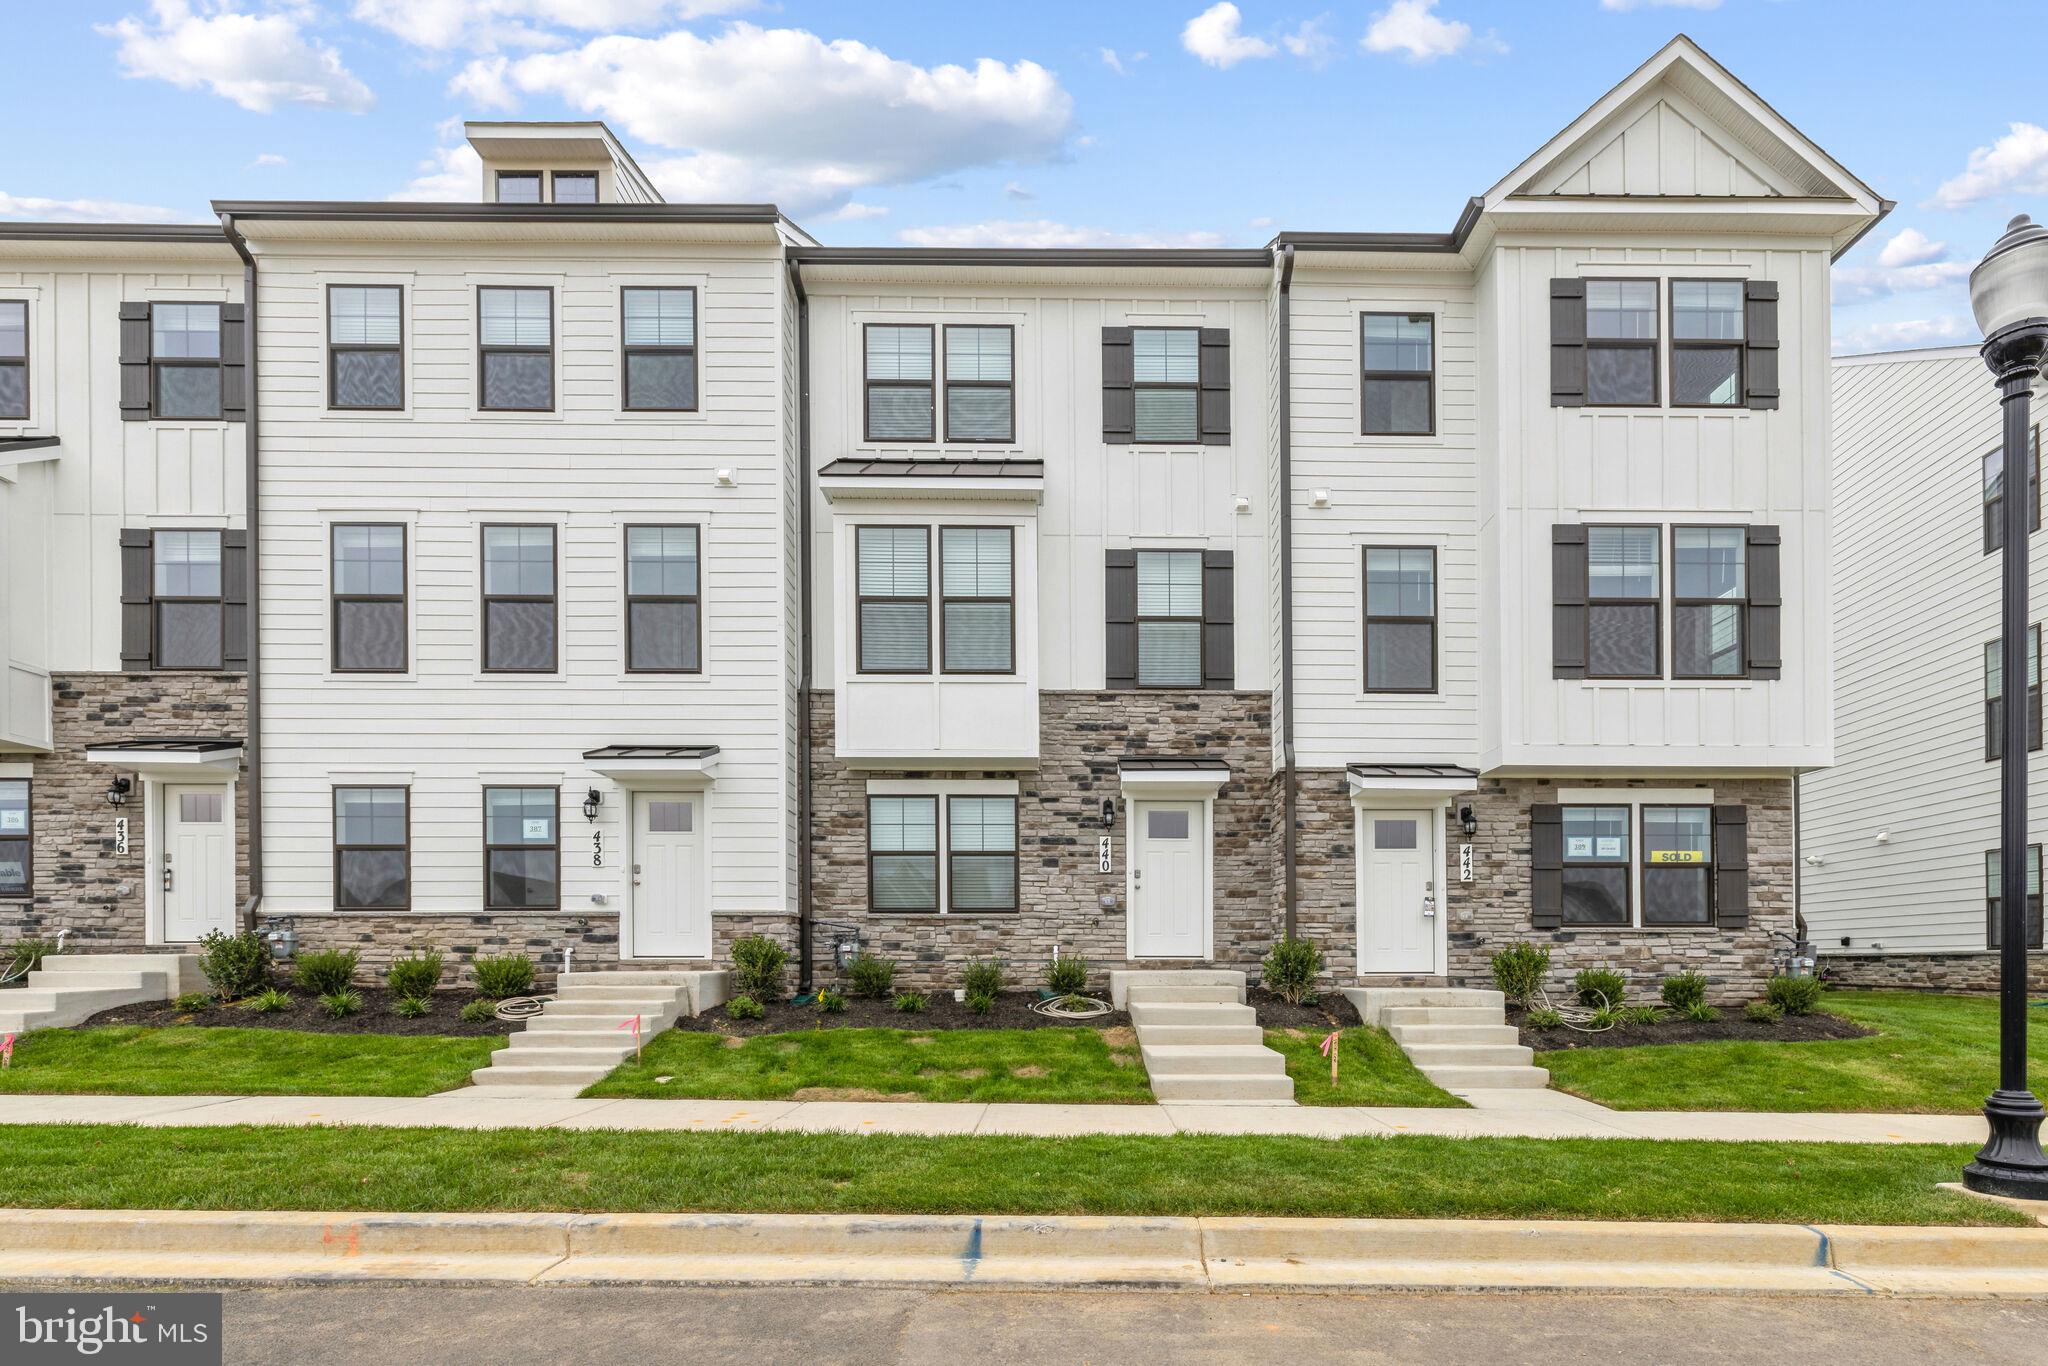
(252, 518)
(1287, 789)
(803, 626)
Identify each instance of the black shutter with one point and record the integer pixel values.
(1215, 396)
(1546, 865)
(234, 364)
(1120, 617)
(1219, 647)
(1567, 343)
(135, 366)
(1568, 601)
(1761, 629)
(1119, 401)
(234, 600)
(1731, 867)
(1760, 342)
(136, 579)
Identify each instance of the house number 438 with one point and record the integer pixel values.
(597, 848)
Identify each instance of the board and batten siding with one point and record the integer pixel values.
(444, 469)
(1917, 600)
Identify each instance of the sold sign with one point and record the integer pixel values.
(1677, 856)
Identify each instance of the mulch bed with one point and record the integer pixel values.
(1677, 1029)
(304, 1013)
(1333, 1011)
(1012, 1011)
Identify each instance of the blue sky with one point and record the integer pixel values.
(1045, 124)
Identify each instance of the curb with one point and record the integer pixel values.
(1018, 1252)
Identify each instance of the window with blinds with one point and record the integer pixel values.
(365, 347)
(663, 609)
(1624, 586)
(186, 592)
(13, 359)
(903, 853)
(519, 599)
(1169, 618)
(516, 349)
(1166, 381)
(185, 358)
(369, 598)
(899, 382)
(981, 853)
(660, 334)
(977, 603)
(981, 396)
(893, 602)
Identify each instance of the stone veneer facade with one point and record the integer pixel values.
(1961, 972)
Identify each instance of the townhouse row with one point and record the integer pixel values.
(568, 570)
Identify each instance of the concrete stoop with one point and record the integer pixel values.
(70, 988)
(1458, 1037)
(1200, 1041)
(585, 1031)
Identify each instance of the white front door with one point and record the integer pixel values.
(670, 916)
(1400, 903)
(197, 871)
(1169, 880)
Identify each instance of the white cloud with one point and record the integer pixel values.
(1907, 263)
(1262, 221)
(454, 174)
(855, 212)
(482, 83)
(1310, 43)
(258, 61)
(267, 159)
(1112, 61)
(2015, 164)
(1214, 36)
(41, 210)
(488, 24)
(1946, 330)
(782, 114)
(1910, 247)
(1410, 28)
(1659, 4)
(1018, 191)
(1043, 232)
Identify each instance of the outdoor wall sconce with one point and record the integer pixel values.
(1109, 813)
(591, 801)
(1468, 820)
(117, 792)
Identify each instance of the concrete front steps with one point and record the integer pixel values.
(1458, 1037)
(73, 987)
(1200, 1042)
(586, 1030)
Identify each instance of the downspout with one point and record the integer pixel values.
(1287, 783)
(803, 627)
(253, 589)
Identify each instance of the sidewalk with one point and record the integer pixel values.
(1537, 1114)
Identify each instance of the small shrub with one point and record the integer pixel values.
(870, 976)
(744, 1008)
(234, 964)
(342, 1004)
(1762, 1012)
(410, 1007)
(1699, 1012)
(912, 1002)
(326, 972)
(1545, 1018)
(1291, 968)
(1518, 971)
(478, 1011)
(1608, 1017)
(1067, 976)
(1600, 986)
(757, 963)
(1684, 990)
(1641, 1015)
(981, 1002)
(268, 1002)
(1793, 995)
(27, 955)
(984, 977)
(507, 975)
(193, 1001)
(831, 1003)
(416, 975)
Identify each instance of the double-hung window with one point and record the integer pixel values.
(981, 377)
(663, 608)
(365, 347)
(519, 187)
(519, 599)
(16, 839)
(184, 354)
(1994, 491)
(903, 853)
(1709, 595)
(186, 594)
(1624, 587)
(1400, 619)
(516, 348)
(981, 853)
(371, 849)
(976, 847)
(1169, 618)
(1166, 383)
(1994, 912)
(369, 598)
(13, 360)
(661, 348)
(522, 848)
(1994, 688)
(1596, 865)
(900, 403)
(1621, 343)
(893, 599)
(1398, 393)
(575, 187)
(1706, 344)
(977, 603)
(1678, 865)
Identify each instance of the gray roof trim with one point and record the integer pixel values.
(651, 752)
(854, 468)
(350, 211)
(177, 744)
(1248, 258)
(27, 443)
(1412, 771)
(1145, 763)
(1448, 242)
(112, 232)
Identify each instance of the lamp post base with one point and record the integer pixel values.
(2011, 1162)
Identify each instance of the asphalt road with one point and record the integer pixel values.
(427, 1326)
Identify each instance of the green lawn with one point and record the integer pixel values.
(1932, 1054)
(180, 1060)
(367, 1168)
(1371, 1070)
(1044, 1065)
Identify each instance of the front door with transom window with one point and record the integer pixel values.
(670, 916)
(1399, 898)
(1169, 880)
(197, 864)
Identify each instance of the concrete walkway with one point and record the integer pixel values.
(1536, 1114)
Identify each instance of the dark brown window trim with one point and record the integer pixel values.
(1193, 386)
(159, 364)
(554, 824)
(1994, 526)
(868, 387)
(1741, 604)
(626, 549)
(944, 599)
(1366, 376)
(405, 848)
(938, 836)
(1200, 617)
(1640, 916)
(1993, 908)
(540, 186)
(554, 599)
(1010, 384)
(555, 179)
(627, 350)
(1993, 729)
(482, 350)
(1655, 604)
(336, 597)
(1654, 345)
(398, 349)
(860, 600)
(1365, 614)
(1628, 919)
(28, 837)
(157, 600)
(953, 856)
(28, 398)
(1740, 345)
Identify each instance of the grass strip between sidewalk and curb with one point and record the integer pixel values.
(422, 1170)
(180, 1060)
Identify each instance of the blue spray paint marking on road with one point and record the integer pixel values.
(970, 1259)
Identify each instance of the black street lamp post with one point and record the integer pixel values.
(2009, 293)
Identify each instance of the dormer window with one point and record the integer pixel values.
(575, 187)
(519, 187)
